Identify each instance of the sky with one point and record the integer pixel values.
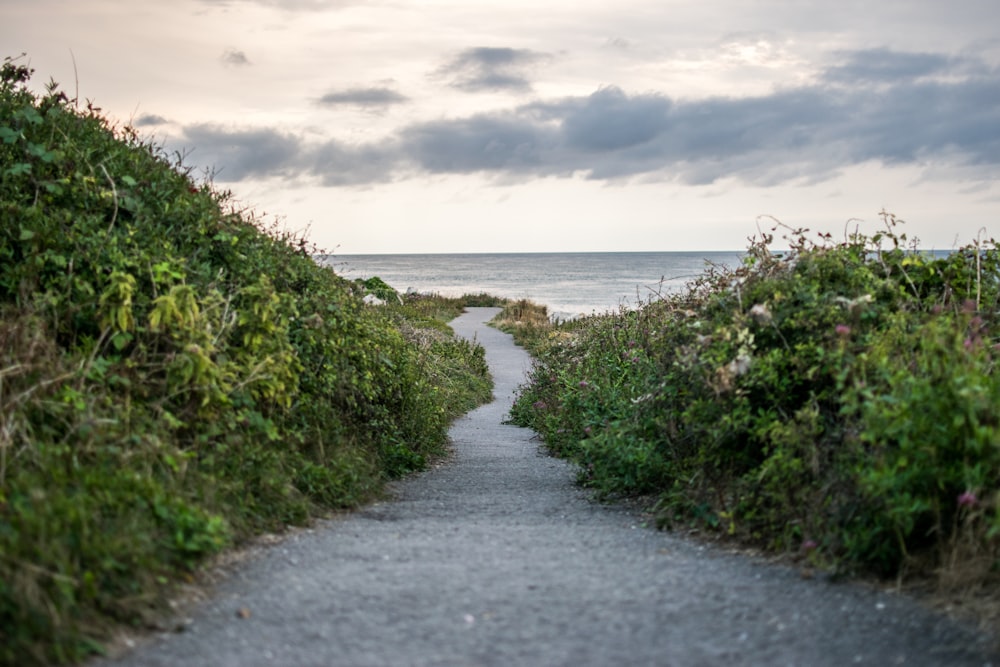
(564, 125)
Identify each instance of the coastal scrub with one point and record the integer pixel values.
(835, 402)
(176, 376)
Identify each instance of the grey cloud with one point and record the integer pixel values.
(146, 120)
(363, 97)
(885, 66)
(803, 134)
(235, 57)
(235, 154)
(499, 143)
(338, 164)
(932, 118)
(610, 120)
(492, 68)
(722, 127)
(238, 154)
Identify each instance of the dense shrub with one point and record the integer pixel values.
(837, 399)
(174, 377)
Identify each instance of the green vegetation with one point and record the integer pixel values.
(837, 402)
(176, 377)
(528, 322)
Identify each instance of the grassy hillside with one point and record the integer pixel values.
(175, 377)
(836, 403)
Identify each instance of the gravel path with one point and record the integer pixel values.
(496, 558)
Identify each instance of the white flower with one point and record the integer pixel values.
(761, 314)
(851, 304)
(740, 365)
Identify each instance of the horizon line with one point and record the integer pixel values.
(528, 252)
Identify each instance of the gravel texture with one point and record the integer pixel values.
(496, 558)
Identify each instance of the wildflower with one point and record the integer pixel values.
(761, 314)
(842, 330)
(584, 384)
(586, 431)
(809, 545)
(740, 365)
(967, 499)
(854, 304)
(539, 405)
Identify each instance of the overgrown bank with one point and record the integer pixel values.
(837, 402)
(175, 377)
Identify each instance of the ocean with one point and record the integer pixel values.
(569, 284)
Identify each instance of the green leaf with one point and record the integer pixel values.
(121, 340)
(19, 169)
(38, 150)
(26, 234)
(30, 115)
(8, 135)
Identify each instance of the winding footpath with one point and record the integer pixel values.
(496, 558)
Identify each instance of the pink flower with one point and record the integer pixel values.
(584, 384)
(967, 499)
(842, 330)
(809, 545)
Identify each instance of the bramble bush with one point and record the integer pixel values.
(176, 376)
(836, 400)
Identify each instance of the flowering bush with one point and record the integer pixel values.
(839, 395)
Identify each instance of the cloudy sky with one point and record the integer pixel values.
(564, 125)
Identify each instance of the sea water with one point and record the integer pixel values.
(569, 284)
